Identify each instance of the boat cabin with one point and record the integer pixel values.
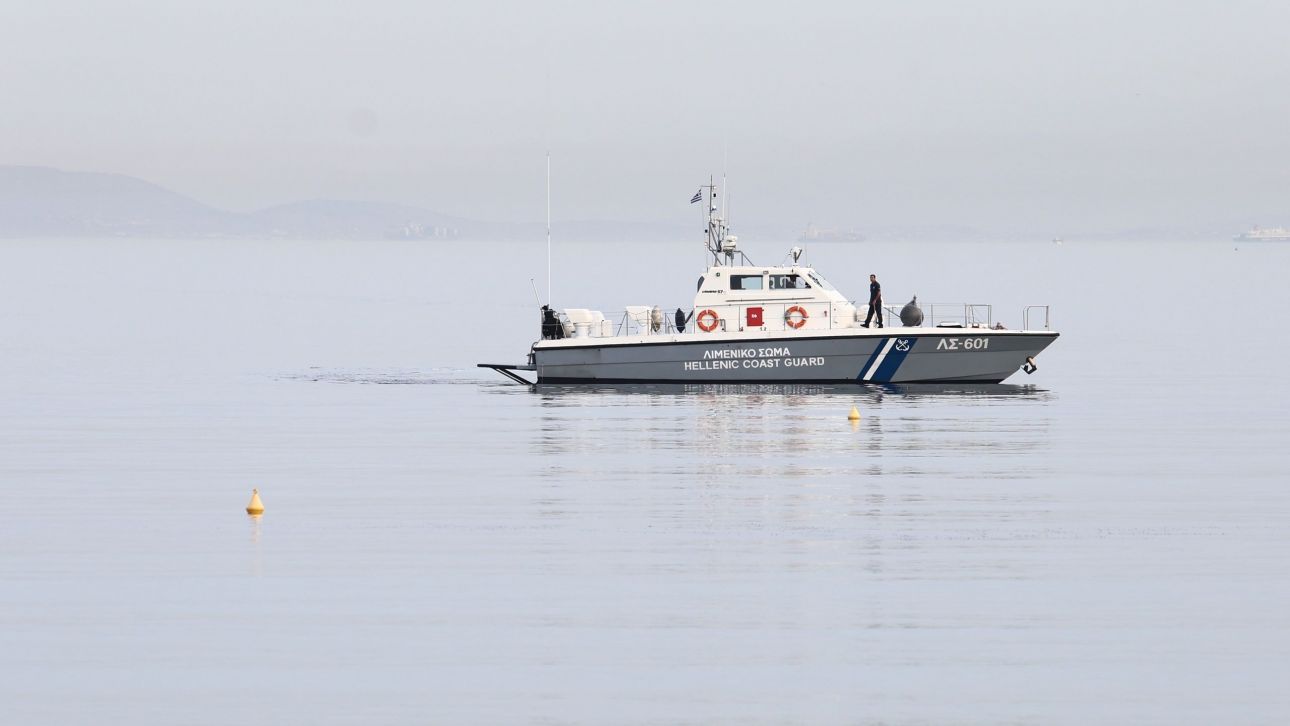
(745, 297)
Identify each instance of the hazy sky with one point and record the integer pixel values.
(1061, 116)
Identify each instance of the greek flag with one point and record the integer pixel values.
(697, 196)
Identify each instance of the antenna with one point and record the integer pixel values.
(725, 185)
(547, 122)
(548, 227)
(725, 202)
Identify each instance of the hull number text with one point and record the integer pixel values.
(963, 344)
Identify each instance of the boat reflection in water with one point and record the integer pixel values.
(978, 391)
(726, 479)
(796, 430)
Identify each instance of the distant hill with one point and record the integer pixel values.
(42, 202)
(37, 201)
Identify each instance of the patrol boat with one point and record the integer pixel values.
(777, 324)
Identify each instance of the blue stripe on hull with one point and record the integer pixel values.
(894, 358)
(897, 349)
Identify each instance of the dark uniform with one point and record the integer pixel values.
(551, 327)
(875, 303)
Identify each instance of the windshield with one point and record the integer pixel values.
(821, 281)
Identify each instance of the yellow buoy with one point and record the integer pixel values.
(256, 507)
(854, 415)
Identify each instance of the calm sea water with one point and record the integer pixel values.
(1103, 541)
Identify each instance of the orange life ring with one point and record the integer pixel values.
(711, 324)
(788, 317)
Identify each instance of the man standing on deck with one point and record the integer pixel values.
(875, 301)
(551, 327)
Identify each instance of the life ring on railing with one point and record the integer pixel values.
(708, 320)
(792, 322)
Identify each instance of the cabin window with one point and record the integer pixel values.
(746, 282)
(700, 287)
(788, 282)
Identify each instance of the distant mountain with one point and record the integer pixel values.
(42, 202)
(37, 201)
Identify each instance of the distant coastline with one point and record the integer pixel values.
(42, 202)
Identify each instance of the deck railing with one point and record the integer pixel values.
(966, 315)
(935, 315)
(1025, 316)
